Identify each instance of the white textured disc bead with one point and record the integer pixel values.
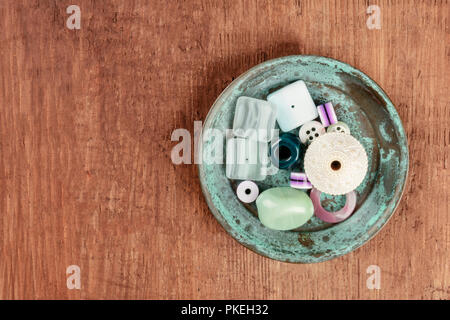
(247, 191)
(336, 163)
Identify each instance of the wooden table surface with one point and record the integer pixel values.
(86, 119)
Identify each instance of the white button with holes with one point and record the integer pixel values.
(339, 127)
(311, 131)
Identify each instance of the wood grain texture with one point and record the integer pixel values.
(85, 125)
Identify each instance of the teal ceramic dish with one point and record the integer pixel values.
(372, 119)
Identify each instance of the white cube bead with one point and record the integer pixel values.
(294, 105)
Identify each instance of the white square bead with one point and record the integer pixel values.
(246, 159)
(254, 118)
(294, 105)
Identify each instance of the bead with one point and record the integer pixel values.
(336, 163)
(286, 152)
(247, 191)
(299, 180)
(311, 131)
(339, 127)
(327, 114)
(284, 208)
(254, 117)
(246, 159)
(333, 217)
(294, 105)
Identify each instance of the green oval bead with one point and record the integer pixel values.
(284, 208)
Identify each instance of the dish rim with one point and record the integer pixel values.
(403, 157)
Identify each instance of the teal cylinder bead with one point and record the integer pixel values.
(287, 151)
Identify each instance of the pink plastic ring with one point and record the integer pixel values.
(333, 217)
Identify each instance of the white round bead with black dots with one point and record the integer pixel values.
(339, 127)
(310, 131)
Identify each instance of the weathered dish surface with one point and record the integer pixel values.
(372, 119)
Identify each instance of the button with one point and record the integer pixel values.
(310, 131)
(247, 191)
(339, 127)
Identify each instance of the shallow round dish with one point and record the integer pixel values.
(372, 119)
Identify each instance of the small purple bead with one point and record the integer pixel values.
(323, 115)
(299, 180)
(331, 113)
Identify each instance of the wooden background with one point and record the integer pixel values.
(85, 125)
